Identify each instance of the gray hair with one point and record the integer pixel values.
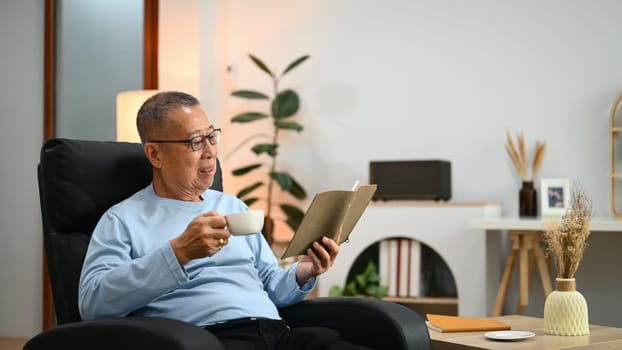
(153, 114)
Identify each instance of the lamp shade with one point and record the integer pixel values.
(128, 104)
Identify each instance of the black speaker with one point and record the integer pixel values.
(414, 179)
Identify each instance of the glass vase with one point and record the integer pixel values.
(527, 200)
(565, 310)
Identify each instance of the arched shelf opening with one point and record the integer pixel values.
(413, 273)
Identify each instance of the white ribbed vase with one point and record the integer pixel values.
(565, 310)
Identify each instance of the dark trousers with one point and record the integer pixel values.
(266, 334)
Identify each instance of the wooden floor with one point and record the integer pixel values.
(12, 343)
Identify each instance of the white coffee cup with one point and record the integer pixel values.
(245, 222)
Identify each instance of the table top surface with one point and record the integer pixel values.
(600, 338)
(538, 224)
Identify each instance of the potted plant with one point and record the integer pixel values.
(527, 196)
(366, 283)
(284, 104)
(565, 309)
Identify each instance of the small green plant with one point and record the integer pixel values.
(366, 283)
(283, 105)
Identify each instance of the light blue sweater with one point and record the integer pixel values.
(131, 269)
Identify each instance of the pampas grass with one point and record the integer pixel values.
(518, 155)
(567, 240)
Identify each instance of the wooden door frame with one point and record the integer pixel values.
(150, 81)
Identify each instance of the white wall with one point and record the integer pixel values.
(429, 79)
(21, 98)
(439, 79)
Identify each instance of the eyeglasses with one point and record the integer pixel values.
(198, 142)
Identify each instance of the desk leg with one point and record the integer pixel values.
(505, 280)
(532, 265)
(525, 244)
(543, 267)
(530, 247)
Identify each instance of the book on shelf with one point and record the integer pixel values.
(328, 212)
(403, 268)
(386, 268)
(445, 324)
(400, 267)
(414, 268)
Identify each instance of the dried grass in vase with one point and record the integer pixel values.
(567, 239)
(518, 155)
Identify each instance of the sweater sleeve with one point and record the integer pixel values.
(279, 283)
(112, 283)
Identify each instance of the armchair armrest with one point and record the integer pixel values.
(126, 333)
(369, 322)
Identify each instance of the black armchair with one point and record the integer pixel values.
(78, 181)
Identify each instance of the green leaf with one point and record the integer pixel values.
(285, 104)
(288, 125)
(296, 190)
(250, 94)
(269, 148)
(373, 277)
(371, 273)
(246, 190)
(248, 117)
(292, 211)
(351, 289)
(294, 215)
(283, 179)
(246, 169)
(293, 224)
(361, 281)
(335, 291)
(295, 63)
(376, 291)
(371, 290)
(250, 201)
(370, 268)
(261, 65)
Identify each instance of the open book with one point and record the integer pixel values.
(328, 211)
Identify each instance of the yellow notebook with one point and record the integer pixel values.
(444, 323)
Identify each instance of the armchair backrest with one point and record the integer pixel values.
(78, 181)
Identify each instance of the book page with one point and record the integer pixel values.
(358, 205)
(329, 211)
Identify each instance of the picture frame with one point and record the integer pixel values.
(554, 197)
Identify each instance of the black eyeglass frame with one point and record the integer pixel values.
(197, 143)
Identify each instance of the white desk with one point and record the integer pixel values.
(538, 224)
(526, 235)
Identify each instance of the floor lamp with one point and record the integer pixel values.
(128, 104)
